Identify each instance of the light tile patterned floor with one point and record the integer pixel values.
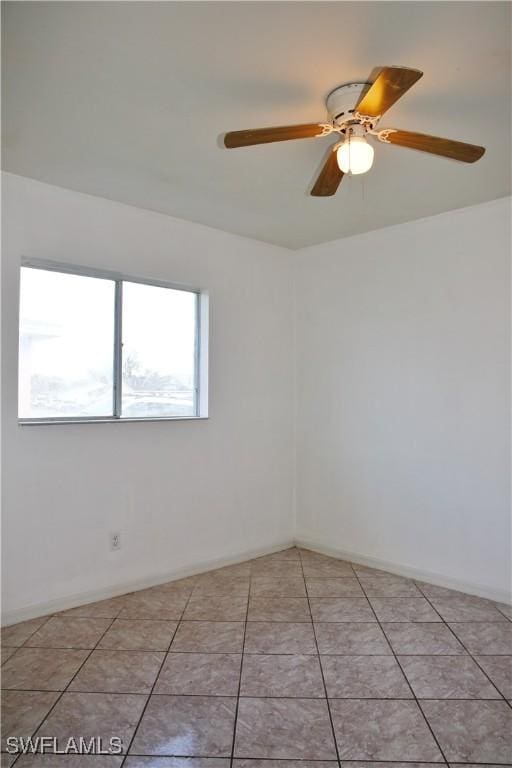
(292, 660)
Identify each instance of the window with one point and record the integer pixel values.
(97, 346)
(159, 351)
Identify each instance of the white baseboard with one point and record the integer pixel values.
(310, 541)
(304, 539)
(36, 610)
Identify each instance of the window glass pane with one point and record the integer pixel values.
(66, 345)
(159, 360)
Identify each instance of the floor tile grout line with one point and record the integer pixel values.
(125, 757)
(320, 665)
(237, 705)
(466, 595)
(265, 653)
(50, 616)
(441, 751)
(58, 699)
(310, 760)
(317, 760)
(254, 696)
(471, 655)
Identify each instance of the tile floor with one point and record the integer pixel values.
(292, 660)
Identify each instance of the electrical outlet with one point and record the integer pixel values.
(115, 540)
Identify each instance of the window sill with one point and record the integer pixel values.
(106, 420)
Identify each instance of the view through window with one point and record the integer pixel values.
(159, 332)
(93, 347)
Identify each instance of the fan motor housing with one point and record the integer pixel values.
(341, 102)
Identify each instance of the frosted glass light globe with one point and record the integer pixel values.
(355, 155)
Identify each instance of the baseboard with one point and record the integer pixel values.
(309, 541)
(304, 539)
(36, 610)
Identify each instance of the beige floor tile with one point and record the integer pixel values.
(285, 763)
(341, 609)
(154, 603)
(139, 635)
(422, 638)
(204, 674)
(364, 677)
(209, 637)
(403, 609)
(186, 725)
(279, 637)
(499, 669)
(447, 677)
(289, 609)
(63, 632)
(289, 675)
(23, 711)
(118, 672)
(308, 556)
(104, 609)
(474, 765)
(271, 569)
(327, 569)
(229, 587)
(351, 638)
(472, 731)
(266, 586)
(94, 715)
(216, 608)
(334, 587)
(466, 609)
(6, 653)
(69, 761)
(133, 761)
(382, 730)
(228, 579)
(284, 728)
(389, 587)
(378, 764)
(42, 669)
(235, 570)
(17, 634)
(432, 590)
(493, 639)
(364, 570)
(506, 610)
(182, 588)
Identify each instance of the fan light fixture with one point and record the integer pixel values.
(355, 155)
(354, 110)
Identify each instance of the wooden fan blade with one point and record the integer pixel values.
(329, 177)
(267, 135)
(390, 85)
(457, 150)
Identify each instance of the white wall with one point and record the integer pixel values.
(402, 413)
(403, 396)
(181, 493)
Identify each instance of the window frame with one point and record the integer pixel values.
(200, 345)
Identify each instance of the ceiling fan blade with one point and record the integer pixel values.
(329, 177)
(390, 85)
(456, 150)
(267, 135)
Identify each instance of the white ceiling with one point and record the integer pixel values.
(128, 100)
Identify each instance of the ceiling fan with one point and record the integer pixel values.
(354, 112)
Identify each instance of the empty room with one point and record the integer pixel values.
(256, 384)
